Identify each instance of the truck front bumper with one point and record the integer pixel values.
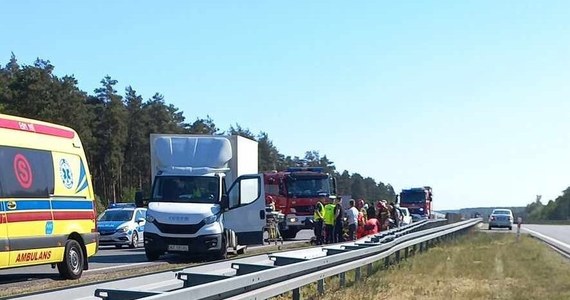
(300, 222)
(196, 245)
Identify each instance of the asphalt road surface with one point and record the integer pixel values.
(557, 232)
(107, 258)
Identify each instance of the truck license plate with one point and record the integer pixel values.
(177, 247)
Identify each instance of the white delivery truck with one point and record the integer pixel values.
(206, 196)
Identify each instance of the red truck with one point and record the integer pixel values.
(295, 193)
(418, 201)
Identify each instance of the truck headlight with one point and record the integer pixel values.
(149, 218)
(211, 219)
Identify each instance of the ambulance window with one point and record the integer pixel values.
(26, 173)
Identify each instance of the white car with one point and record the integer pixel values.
(501, 218)
(406, 217)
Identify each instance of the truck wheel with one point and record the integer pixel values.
(73, 258)
(151, 255)
(134, 241)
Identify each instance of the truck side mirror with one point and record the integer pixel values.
(139, 202)
(225, 202)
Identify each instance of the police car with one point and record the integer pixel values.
(121, 224)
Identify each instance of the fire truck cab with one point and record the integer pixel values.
(295, 192)
(418, 201)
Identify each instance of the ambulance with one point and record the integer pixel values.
(47, 212)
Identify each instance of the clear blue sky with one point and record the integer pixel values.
(470, 97)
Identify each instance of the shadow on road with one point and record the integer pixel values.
(13, 278)
(113, 256)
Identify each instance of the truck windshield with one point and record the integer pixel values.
(308, 187)
(186, 189)
(116, 215)
(413, 197)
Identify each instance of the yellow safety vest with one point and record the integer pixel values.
(329, 214)
(319, 209)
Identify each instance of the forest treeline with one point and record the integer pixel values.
(115, 127)
(554, 210)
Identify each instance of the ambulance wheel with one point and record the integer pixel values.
(73, 258)
(151, 255)
(134, 241)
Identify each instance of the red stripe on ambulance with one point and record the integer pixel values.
(73, 215)
(37, 128)
(28, 216)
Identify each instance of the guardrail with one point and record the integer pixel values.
(290, 272)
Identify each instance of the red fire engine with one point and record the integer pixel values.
(418, 201)
(295, 193)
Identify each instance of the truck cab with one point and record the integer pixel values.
(418, 201)
(192, 209)
(295, 192)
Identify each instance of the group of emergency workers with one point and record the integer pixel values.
(333, 223)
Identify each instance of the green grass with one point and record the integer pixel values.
(477, 266)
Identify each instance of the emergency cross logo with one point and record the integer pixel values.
(65, 173)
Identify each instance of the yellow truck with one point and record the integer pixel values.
(47, 208)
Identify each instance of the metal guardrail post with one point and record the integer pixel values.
(386, 262)
(406, 253)
(297, 294)
(342, 279)
(397, 258)
(369, 269)
(421, 247)
(321, 286)
(357, 274)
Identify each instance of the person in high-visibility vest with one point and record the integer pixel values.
(318, 216)
(329, 219)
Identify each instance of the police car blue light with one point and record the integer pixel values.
(121, 224)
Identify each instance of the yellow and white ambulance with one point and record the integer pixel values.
(47, 212)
